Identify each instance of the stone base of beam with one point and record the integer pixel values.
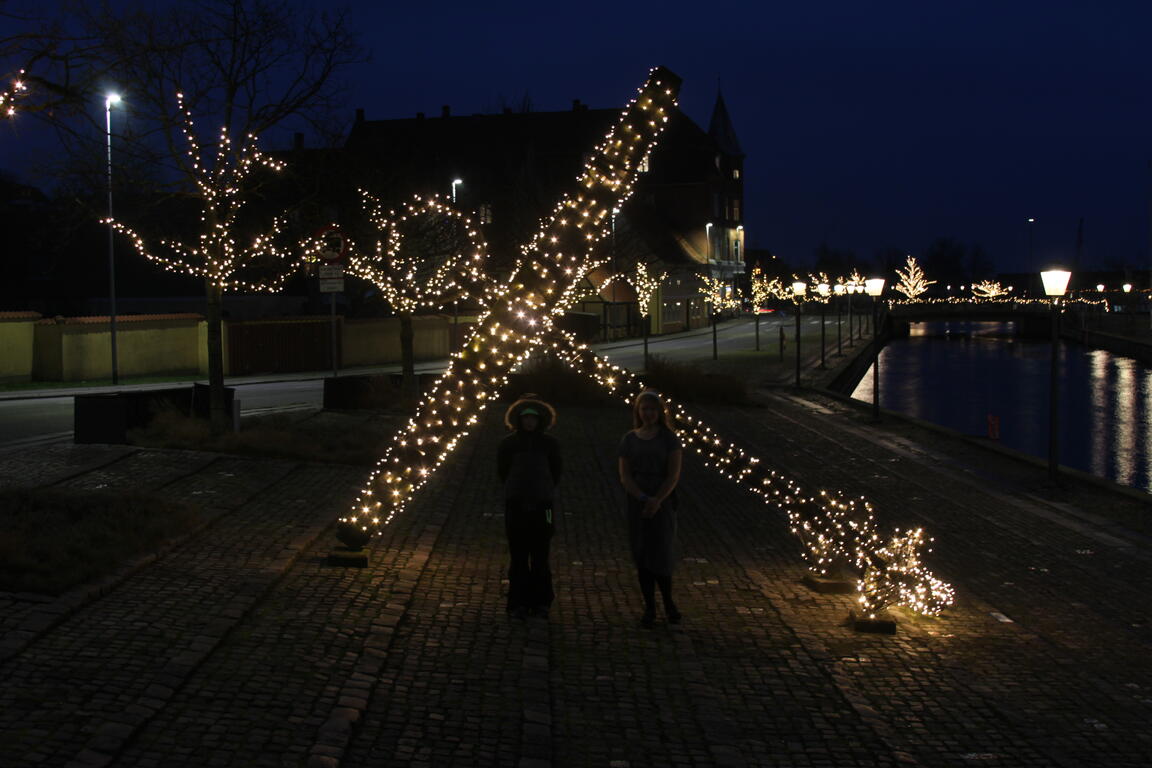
(346, 558)
(829, 585)
(880, 624)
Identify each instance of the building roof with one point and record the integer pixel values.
(720, 128)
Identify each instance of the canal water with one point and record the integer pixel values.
(973, 377)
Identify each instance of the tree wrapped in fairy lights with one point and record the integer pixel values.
(517, 321)
(425, 256)
(646, 283)
(912, 282)
(226, 263)
(987, 289)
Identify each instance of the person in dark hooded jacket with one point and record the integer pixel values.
(528, 462)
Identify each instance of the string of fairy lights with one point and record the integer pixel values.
(9, 96)
(217, 256)
(645, 282)
(519, 321)
(835, 530)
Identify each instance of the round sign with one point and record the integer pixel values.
(333, 244)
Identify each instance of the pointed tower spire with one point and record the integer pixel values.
(720, 128)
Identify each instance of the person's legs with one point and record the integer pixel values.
(670, 610)
(518, 553)
(541, 594)
(648, 590)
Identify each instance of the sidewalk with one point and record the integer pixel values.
(240, 647)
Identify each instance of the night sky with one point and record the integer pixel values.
(866, 125)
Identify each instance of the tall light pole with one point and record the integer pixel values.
(109, 100)
(1031, 264)
(454, 183)
(1055, 285)
(875, 288)
(798, 289)
(840, 289)
(823, 289)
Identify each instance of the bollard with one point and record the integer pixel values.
(781, 343)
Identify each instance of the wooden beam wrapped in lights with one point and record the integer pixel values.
(544, 282)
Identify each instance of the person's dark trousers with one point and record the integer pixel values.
(529, 528)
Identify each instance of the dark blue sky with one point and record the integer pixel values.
(866, 125)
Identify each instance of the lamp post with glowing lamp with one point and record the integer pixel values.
(840, 290)
(1055, 285)
(798, 290)
(109, 100)
(455, 182)
(875, 288)
(823, 289)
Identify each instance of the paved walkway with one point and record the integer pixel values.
(237, 646)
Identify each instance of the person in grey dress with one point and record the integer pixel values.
(650, 460)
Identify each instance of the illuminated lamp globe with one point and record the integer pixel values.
(823, 289)
(799, 288)
(839, 289)
(1055, 281)
(874, 286)
(1127, 287)
(1100, 286)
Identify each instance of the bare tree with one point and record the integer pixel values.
(232, 70)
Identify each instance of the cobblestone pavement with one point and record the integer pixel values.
(238, 646)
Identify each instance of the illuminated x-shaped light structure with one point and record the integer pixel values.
(517, 319)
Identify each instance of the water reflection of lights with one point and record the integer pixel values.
(1124, 420)
(1107, 416)
(1098, 365)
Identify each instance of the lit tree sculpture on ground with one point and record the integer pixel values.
(518, 320)
(912, 280)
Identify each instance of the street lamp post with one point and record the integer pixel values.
(850, 289)
(109, 100)
(455, 182)
(1055, 285)
(823, 289)
(1031, 265)
(798, 290)
(839, 289)
(875, 288)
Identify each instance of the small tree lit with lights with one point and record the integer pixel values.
(912, 280)
(986, 289)
(260, 263)
(425, 256)
(646, 284)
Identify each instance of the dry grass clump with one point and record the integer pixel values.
(339, 438)
(53, 539)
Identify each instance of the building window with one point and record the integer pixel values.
(736, 250)
(736, 209)
(485, 213)
(736, 173)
